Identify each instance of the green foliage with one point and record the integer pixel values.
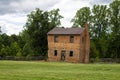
(104, 28)
(99, 21)
(5, 40)
(54, 18)
(33, 40)
(37, 26)
(19, 54)
(27, 50)
(3, 51)
(94, 52)
(28, 56)
(114, 47)
(82, 16)
(15, 48)
(0, 41)
(114, 41)
(115, 16)
(104, 22)
(9, 45)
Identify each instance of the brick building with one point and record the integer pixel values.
(69, 44)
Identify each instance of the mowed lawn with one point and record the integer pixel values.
(36, 70)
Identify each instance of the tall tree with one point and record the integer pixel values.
(15, 48)
(100, 28)
(5, 39)
(98, 19)
(38, 24)
(54, 18)
(82, 16)
(115, 16)
(114, 44)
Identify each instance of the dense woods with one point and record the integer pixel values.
(103, 20)
(32, 41)
(104, 23)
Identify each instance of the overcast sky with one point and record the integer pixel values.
(13, 12)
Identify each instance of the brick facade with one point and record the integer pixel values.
(69, 46)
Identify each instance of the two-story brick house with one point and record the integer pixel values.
(69, 44)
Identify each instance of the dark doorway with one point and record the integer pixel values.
(63, 55)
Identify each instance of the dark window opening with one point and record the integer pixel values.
(55, 38)
(71, 39)
(55, 53)
(71, 53)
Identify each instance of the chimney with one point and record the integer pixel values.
(87, 43)
(86, 26)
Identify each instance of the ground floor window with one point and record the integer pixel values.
(55, 52)
(71, 53)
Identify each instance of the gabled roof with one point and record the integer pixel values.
(65, 31)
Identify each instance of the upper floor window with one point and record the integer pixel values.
(55, 38)
(71, 39)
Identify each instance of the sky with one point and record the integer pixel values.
(13, 13)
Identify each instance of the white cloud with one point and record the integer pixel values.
(24, 6)
(28, 5)
(13, 12)
(68, 9)
(10, 28)
(12, 23)
(103, 2)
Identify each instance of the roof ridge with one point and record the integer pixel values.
(66, 31)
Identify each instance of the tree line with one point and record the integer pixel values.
(32, 41)
(104, 24)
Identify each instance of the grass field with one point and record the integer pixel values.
(25, 70)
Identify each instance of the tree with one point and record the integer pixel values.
(3, 51)
(100, 28)
(15, 48)
(115, 17)
(100, 21)
(37, 26)
(94, 53)
(82, 16)
(54, 18)
(114, 41)
(5, 40)
(98, 18)
(27, 50)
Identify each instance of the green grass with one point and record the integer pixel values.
(25, 70)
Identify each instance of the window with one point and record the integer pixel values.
(71, 53)
(71, 39)
(55, 38)
(55, 53)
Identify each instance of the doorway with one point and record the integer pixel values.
(63, 55)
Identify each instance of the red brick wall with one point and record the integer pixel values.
(80, 49)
